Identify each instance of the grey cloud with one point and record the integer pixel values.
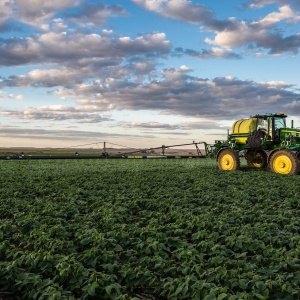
(6, 26)
(206, 54)
(294, 107)
(136, 69)
(38, 12)
(192, 13)
(185, 11)
(94, 14)
(204, 125)
(55, 114)
(170, 133)
(72, 135)
(49, 78)
(176, 93)
(61, 48)
(280, 45)
(220, 98)
(152, 125)
(17, 51)
(5, 13)
(185, 127)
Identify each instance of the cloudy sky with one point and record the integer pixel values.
(143, 73)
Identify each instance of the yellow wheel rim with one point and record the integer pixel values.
(227, 162)
(282, 164)
(258, 165)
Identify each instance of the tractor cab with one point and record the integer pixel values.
(270, 125)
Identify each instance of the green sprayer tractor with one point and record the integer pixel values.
(264, 140)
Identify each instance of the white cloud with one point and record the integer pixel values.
(10, 96)
(285, 12)
(276, 84)
(59, 25)
(262, 3)
(178, 9)
(241, 34)
(257, 33)
(185, 68)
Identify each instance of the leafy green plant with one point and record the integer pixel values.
(147, 229)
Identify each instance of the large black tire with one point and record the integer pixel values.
(255, 139)
(256, 159)
(284, 162)
(228, 160)
(298, 155)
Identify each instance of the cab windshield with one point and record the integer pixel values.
(279, 123)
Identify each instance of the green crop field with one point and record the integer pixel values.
(147, 229)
